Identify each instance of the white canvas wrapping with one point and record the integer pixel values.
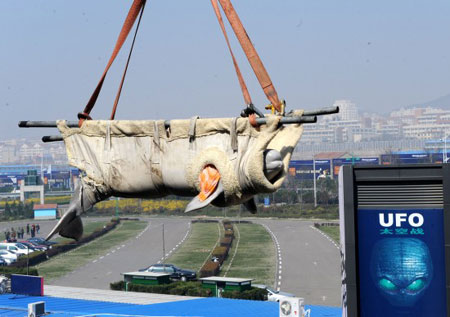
(144, 159)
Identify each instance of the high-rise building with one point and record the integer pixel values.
(347, 110)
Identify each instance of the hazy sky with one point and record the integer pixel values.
(381, 54)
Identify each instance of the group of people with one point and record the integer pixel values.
(11, 235)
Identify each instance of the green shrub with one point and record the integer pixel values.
(226, 242)
(117, 286)
(209, 269)
(8, 270)
(34, 259)
(177, 288)
(253, 294)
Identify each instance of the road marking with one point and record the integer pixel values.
(94, 261)
(326, 236)
(278, 251)
(101, 257)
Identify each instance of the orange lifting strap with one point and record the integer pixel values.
(249, 50)
(247, 46)
(136, 7)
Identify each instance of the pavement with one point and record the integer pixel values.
(308, 262)
(136, 253)
(111, 296)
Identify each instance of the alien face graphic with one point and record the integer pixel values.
(401, 269)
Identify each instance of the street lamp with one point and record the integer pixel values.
(314, 177)
(444, 155)
(444, 152)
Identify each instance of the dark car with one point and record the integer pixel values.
(175, 272)
(41, 241)
(34, 247)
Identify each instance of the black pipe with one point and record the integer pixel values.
(320, 112)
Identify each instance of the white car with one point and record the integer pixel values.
(273, 295)
(17, 248)
(8, 256)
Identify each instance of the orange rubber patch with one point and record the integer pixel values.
(209, 179)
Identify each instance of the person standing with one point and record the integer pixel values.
(28, 229)
(37, 228)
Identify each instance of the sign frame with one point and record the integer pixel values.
(349, 178)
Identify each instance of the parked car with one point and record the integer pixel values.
(273, 295)
(175, 272)
(8, 256)
(37, 247)
(41, 241)
(3, 262)
(12, 246)
(24, 248)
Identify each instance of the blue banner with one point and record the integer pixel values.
(401, 262)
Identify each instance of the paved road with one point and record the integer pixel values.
(310, 263)
(135, 253)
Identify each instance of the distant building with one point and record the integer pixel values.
(45, 211)
(347, 110)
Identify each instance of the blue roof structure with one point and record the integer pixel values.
(16, 305)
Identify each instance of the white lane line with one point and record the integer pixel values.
(278, 261)
(326, 236)
(101, 257)
(178, 244)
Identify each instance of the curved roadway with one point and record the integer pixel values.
(138, 252)
(309, 266)
(310, 263)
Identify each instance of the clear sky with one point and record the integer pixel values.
(380, 54)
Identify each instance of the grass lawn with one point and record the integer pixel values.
(331, 231)
(88, 228)
(197, 248)
(62, 264)
(255, 257)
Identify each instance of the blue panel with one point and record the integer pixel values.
(206, 307)
(401, 262)
(27, 285)
(304, 169)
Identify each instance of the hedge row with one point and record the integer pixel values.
(209, 269)
(220, 253)
(252, 294)
(41, 256)
(189, 289)
(175, 288)
(7, 271)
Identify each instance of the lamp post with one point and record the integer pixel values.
(314, 182)
(444, 154)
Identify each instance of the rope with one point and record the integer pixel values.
(116, 101)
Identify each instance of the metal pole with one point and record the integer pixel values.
(315, 185)
(164, 245)
(28, 260)
(117, 207)
(444, 158)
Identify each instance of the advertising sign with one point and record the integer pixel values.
(401, 262)
(304, 169)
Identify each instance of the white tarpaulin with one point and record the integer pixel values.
(144, 159)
